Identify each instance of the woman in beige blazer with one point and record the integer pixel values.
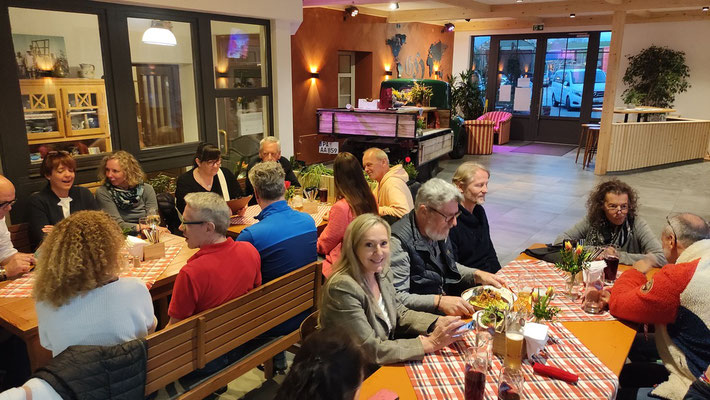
(359, 298)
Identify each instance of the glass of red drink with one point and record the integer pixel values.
(612, 266)
(475, 371)
(510, 384)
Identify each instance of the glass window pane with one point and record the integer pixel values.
(344, 88)
(63, 93)
(602, 65)
(344, 63)
(481, 44)
(242, 123)
(516, 70)
(565, 62)
(239, 55)
(164, 85)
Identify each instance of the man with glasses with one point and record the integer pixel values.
(270, 150)
(676, 300)
(12, 263)
(425, 273)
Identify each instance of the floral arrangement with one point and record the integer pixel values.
(404, 96)
(409, 167)
(541, 305)
(421, 94)
(574, 259)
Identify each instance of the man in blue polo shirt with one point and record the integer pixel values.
(285, 238)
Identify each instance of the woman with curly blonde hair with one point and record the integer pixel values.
(79, 298)
(124, 194)
(612, 222)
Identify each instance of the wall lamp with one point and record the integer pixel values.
(315, 75)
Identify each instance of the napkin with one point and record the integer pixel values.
(135, 246)
(554, 372)
(535, 338)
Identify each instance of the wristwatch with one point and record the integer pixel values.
(3, 274)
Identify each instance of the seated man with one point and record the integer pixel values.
(676, 300)
(425, 273)
(221, 270)
(270, 150)
(392, 194)
(471, 237)
(285, 238)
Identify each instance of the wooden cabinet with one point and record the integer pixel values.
(65, 114)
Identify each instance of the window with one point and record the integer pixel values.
(602, 66)
(479, 62)
(63, 92)
(563, 84)
(516, 69)
(163, 84)
(346, 79)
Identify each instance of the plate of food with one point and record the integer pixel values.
(490, 318)
(482, 297)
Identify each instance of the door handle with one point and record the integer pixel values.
(221, 133)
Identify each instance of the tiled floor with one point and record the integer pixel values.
(532, 198)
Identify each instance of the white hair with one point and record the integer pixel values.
(210, 207)
(268, 140)
(436, 192)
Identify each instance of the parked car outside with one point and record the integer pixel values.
(567, 87)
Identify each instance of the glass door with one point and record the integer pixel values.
(516, 71)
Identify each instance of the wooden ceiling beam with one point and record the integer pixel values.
(468, 4)
(325, 3)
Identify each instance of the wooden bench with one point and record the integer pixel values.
(195, 341)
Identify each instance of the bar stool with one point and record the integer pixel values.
(583, 137)
(591, 147)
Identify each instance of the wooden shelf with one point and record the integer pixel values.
(67, 139)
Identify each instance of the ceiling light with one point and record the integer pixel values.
(518, 1)
(705, 9)
(394, 5)
(572, 15)
(160, 33)
(352, 11)
(448, 27)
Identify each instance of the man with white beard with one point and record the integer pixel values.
(425, 272)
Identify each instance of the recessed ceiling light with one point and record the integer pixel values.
(518, 1)
(705, 9)
(572, 15)
(394, 5)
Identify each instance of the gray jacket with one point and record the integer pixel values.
(127, 219)
(641, 242)
(347, 306)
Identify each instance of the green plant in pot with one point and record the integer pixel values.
(421, 94)
(655, 76)
(467, 103)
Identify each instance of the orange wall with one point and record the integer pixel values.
(316, 44)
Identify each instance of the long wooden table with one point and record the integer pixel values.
(639, 111)
(609, 341)
(18, 316)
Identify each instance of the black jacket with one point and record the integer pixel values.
(285, 164)
(98, 372)
(44, 210)
(471, 240)
(428, 274)
(186, 183)
(699, 390)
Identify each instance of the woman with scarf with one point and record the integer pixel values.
(612, 222)
(124, 195)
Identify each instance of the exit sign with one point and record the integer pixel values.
(538, 27)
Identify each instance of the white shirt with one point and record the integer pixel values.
(381, 303)
(39, 387)
(6, 247)
(64, 203)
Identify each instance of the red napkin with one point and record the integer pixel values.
(554, 372)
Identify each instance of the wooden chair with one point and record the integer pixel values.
(591, 147)
(583, 138)
(309, 325)
(20, 237)
(195, 341)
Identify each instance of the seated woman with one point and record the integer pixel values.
(201, 178)
(471, 237)
(59, 198)
(355, 198)
(124, 194)
(612, 222)
(329, 366)
(360, 299)
(80, 299)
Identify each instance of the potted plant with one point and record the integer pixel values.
(655, 76)
(467, 103)
(421, 94)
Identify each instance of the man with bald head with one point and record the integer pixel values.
(676, 300)
(12, 263)
(392, 194)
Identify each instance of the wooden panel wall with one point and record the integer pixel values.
(645, 144)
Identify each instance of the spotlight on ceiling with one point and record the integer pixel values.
(518, 1)
(572, 15)
(706, 9)
(352, 11)
(448, 27)
(394, 5)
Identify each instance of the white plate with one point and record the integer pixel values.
(506, 294)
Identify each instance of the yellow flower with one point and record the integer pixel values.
(568, 245)
(578, 250)
(550, 291)
(535, 296)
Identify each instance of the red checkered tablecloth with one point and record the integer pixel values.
(536, 273)
(253, 211)
(148, 272)
(440, 375)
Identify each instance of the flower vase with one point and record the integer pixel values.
(570, 282)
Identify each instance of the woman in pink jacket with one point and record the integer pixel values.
(354, 198)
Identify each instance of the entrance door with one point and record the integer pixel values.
(515, 76)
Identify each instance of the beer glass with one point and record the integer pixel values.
(514, 340)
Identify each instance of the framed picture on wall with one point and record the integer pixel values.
(40, 55)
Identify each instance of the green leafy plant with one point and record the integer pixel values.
(541, 305)
(162, 183)
(310, 176)
(466, 96)
(655, 76)
(420, 93)
(574, 259)
(410, 168)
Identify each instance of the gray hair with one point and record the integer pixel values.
(210, 207)
(436, 192)
(688, 228)
(268, 178)
(267, 140)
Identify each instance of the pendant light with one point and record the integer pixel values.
(160, 33)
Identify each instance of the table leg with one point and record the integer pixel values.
(626, 117)
(161, 312)
(39, 356)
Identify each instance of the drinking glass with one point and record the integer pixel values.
(323, 194)
(510, 384)
(612, 266)
(514, 324)
(153, 218)
(593, 287)
(476, 362)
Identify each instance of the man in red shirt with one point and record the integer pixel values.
(222, 270)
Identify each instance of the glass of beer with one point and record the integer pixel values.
(476, 367)
(514, 340)
(510, 384)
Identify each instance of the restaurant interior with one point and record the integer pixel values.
(156, 77)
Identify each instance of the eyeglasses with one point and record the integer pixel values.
(8, 203)
(614, 207)
(447, 218)
(214, 162)
(183, 222)
(675, 237)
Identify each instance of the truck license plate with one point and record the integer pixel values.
(328, 147)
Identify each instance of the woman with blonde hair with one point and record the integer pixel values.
(124, 195)
(360, 299)
(354, 198)
(80, 299)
